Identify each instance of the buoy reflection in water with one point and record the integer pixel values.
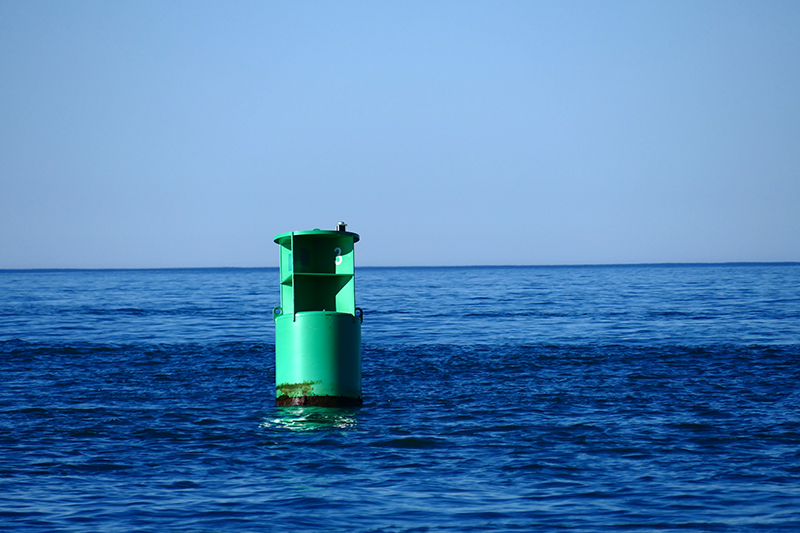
(311, 418)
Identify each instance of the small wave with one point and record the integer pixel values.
(411, 442)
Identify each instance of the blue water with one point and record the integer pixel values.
(636, 398)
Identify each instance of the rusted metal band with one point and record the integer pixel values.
(318, 401)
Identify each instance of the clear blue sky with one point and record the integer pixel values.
(187, 134)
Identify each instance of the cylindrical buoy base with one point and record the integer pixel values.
(318, 359)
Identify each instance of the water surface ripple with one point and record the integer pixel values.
(643, 398)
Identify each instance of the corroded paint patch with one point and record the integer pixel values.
(296, 389)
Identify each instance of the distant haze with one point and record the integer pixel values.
(188, 134)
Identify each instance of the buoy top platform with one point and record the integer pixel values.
(286, 238)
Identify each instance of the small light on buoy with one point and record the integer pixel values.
(341, 226)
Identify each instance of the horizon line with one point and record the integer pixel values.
(553, 265)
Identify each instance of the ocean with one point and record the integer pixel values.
(588, 398)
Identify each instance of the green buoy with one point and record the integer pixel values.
(318, 326)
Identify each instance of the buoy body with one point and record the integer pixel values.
(317, 326)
